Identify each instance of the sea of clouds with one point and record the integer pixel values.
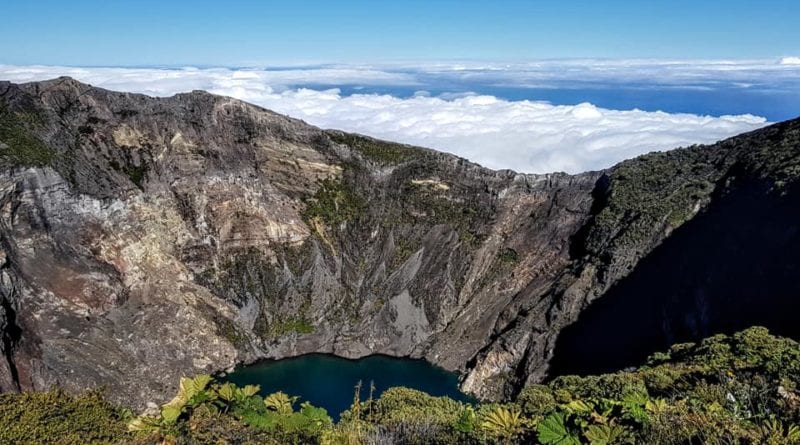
(524, 135)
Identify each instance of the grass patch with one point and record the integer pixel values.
(296, 325)
(23, 148)
(334, 203)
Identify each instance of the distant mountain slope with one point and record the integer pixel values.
(148, 238)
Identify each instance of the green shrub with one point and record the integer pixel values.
(412, 416)
(611, 386)
(404, 404)
(661, 379)
(209, 427)
(536, 400)
(54, 417)
(509, 255)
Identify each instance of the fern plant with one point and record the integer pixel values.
(188, 389)
(466, 421)
(634, 407)
(280, 402)
(503, 423)
(191, 392)
(773, 432)
(229, 395)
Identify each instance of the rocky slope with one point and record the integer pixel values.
(148, 238)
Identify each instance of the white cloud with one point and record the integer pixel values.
(520, 135)
(790, 61)
(526, 136)
(566, 73)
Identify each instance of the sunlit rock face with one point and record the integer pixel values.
(144, 239)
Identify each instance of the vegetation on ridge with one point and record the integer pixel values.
(739, 389)
(643, 198)
(21, 146)
(382, 152)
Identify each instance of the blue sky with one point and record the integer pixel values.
(259, 33)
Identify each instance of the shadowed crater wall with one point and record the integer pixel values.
(733, 266)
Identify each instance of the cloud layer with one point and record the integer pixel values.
(523, 135)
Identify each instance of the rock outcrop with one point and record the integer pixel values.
(146, 238)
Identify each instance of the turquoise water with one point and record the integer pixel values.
(328, 381)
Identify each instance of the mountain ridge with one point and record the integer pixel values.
(198, 232)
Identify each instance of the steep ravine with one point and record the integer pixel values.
(147, 238)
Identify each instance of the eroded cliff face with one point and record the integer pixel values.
(145, 238)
